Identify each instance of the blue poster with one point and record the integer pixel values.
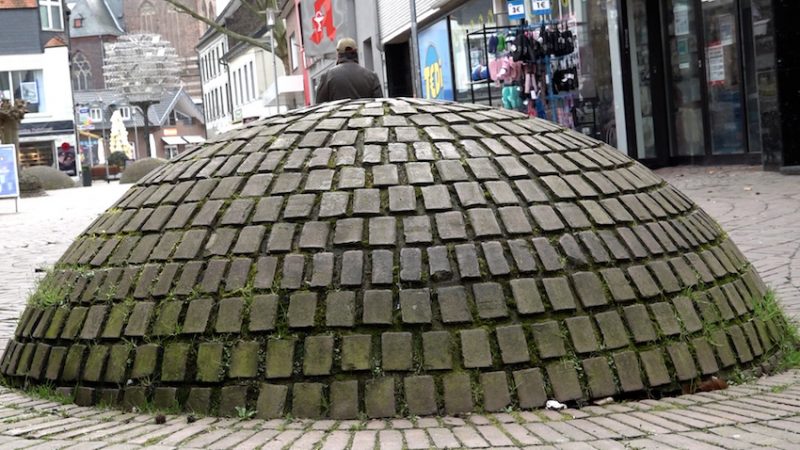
(434, 57)
(9, 183)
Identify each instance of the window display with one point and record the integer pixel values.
(558, 68)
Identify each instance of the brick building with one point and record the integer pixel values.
(92, 24)
(183, 31)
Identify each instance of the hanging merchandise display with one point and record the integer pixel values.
(535, 67)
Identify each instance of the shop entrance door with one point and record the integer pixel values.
(686, 93)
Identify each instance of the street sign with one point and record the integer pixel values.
(540, 7)
(516, 9)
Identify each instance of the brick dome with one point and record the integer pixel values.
(392, 257)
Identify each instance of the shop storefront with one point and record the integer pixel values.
(48, 144)
(668, 82)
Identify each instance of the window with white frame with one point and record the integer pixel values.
(24, 85)
(252, 81)
(293, 51)
(50, 13)
(125, 113)
(96, 114)
(171, 151)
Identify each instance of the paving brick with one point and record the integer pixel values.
(564, 381)
(379, 397)
(280, 358)
(475, 348)
(396, 351)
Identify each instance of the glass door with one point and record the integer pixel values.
(724, 77)
(685, 90)
(644, 76)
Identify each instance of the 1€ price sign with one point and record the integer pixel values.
(540, 7)
(516, 9)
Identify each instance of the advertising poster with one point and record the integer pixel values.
(324, 23)
(30, 93)
(681, 13)
(9, 179)
(716, 63)
(434, 57)
(66, 159)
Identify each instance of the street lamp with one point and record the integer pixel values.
(271, 21)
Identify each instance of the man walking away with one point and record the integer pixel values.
(348, 79)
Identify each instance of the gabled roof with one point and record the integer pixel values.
(55, 42)
(98, 19)
(18, 4)
(157, 114)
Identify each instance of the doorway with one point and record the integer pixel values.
(686, 91)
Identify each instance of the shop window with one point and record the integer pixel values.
(50, 13)
(25, 85)
(36, 154)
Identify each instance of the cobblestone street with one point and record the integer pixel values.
(759, 210)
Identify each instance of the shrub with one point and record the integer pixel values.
(50, 178)
(117, 159)
(29, 185)
(134, 172)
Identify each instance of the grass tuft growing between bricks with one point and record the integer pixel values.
(48, 291)
(769, 310)
(48, 391)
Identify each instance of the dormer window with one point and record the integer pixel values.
(50, 14)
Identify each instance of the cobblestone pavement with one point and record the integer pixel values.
(760, 211)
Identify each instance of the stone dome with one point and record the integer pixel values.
(392, 257)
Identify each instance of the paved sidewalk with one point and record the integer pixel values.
(760, 211)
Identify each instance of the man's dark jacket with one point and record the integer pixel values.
(348, 80)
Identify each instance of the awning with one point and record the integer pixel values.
(173, 140)
(194, 139)
(89, 135)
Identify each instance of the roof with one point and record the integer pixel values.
(55, 42)
(157, 114)
(18, 4)
(98, 19)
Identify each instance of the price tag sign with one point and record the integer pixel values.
(516, 9)
(540, 7)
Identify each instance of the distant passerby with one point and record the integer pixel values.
(348, 79)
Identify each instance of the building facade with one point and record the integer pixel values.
(181, 30)
(238, 79)
(665, 81)
(175, 123)
(34, 66)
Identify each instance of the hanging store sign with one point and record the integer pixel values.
(434, 55)
(540, 7)
(516, 9)
(324, 23)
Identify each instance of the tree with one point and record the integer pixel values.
(118, 141)
(257, 7)
(11, 115)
